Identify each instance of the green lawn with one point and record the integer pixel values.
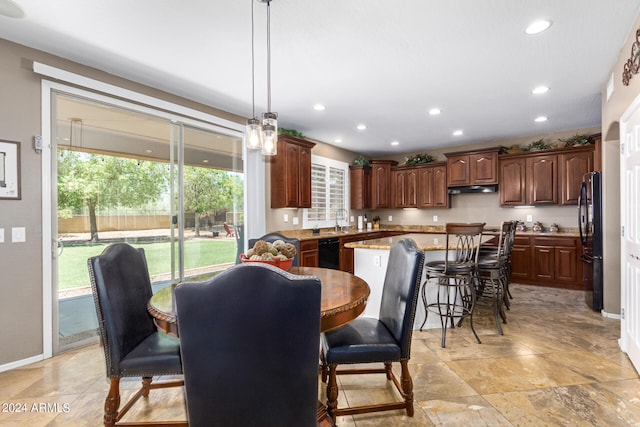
(72, 264)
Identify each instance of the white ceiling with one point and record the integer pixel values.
(384, 64)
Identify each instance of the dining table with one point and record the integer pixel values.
(344, 297)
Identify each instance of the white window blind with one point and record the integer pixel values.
(329, 193)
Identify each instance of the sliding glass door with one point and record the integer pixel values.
(156, 182)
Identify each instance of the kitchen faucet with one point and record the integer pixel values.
(340, 214)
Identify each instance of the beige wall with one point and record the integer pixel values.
(612, 110)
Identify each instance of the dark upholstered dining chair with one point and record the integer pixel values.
(272, 237)
(132, 345)
(384, 340)
(250, 339)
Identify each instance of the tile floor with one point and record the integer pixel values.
(558, 363)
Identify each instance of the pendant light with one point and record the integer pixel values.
(263, 135)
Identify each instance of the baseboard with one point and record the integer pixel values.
(20, 363)
(610, 315)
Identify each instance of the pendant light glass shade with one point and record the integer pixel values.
(254, 134)
(270, 119)
(270, 140)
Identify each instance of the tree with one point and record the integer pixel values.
(209, 190)
(97, 181)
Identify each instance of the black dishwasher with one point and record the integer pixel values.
(329, 253)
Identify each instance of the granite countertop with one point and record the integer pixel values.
(306, 234)
(425, 242)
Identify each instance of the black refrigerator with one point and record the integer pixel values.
(590, 226)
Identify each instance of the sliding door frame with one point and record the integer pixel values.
(253, 165)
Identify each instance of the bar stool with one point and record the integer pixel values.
(454, 278)
(492, 272)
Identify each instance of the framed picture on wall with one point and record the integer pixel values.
(9, 170)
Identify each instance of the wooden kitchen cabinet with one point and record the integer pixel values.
(547, 261)
(291, 173)
(381, 183)
(405, 187)
(432, 186)
(360, 185)
(544, 178)
(309, 256)
(529, 180)
(521, 260)
(472, 167)
(420, 186)
(573, 165)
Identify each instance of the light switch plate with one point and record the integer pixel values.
(1, 235)
(295, 220)
(285, 218)
(390, 218)
(18, 234)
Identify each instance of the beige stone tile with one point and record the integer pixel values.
(592, 366)
(514, 373)
(578, 405)
(437, 380)
(463, 411)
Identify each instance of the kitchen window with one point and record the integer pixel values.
(329, 193)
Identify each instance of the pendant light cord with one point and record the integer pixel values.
(268, 56)
(253, 66)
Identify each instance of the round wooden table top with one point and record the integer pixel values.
(344, 297)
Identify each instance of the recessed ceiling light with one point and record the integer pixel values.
(11, 9)
(361, 126)
(538, 26)
(319, 107)
(394, 143)
(434, 111)
(541, 119)
(540, 89)
(148, 151)
(337, 141)
(457, 132)
(205, 161)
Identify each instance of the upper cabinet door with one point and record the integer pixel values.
(291, 173)
(459, 170)
(484, 168)
(513, 188)
(381, 183)
(573, 166)
(542, 179)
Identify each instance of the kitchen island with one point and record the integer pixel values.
(370, 261)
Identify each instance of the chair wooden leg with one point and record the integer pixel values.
(323, 368)
(146, 383)
(112, 403)
(332, 391)
(387, 370)
(407, 386)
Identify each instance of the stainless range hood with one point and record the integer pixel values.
(474, 189)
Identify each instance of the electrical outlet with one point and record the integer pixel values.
(295, 220)
(435, 218)
(286, 218)
(390, 218)
(352, 219)
(376, 260)
(1, 235)
(529, 218)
